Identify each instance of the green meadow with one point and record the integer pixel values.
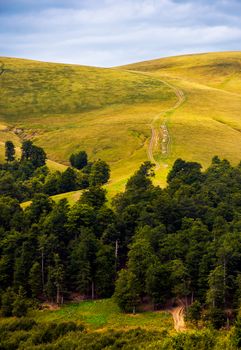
(104, 314)
(109, 112)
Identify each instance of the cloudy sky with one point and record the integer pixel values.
(114, 32)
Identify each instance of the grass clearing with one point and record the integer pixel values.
(105, 314)
(72, 198)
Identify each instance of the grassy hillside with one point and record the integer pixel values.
(185, 106)
(218, 69)
(65, 108)
(209, 122)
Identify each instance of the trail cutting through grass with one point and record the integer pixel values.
(178, 316)
(156, 132)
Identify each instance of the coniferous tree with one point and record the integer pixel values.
(8, 298)
(58, 278)
(216, 292)
(126, 293)
(100, 173)
(83, 263)
(20, 304)
(67, 181)
(79, 160)
(94, 197)
(9, 151)
(34, 281)
(36, 155)
(105, 271)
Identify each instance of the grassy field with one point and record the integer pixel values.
(209, 122)
(65, 108)
(104, 314)
(109, 112)
(72, 197)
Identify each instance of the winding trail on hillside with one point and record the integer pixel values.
(162, 133)
(178, 316)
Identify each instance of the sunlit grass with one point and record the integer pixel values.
(108, 112)
(209, 122)
(104, 314)
(66, 108)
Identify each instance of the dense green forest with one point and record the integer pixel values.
(150, 245)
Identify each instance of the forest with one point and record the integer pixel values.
(150, 245)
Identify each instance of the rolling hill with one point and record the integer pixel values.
(185, 106)
(209, 122)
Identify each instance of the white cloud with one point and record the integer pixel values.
(111, 32)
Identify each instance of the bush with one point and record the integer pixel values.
(197, 340)
(24, 324)
(194, 311)
(7, 302)
(52, 331)
(79, 160)
(216, 317)
(20, 304)
(12, 341)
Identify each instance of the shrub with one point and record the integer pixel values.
(52, 331)
(24, 324)
(7, 302)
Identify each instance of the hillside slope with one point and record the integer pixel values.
(209, 122)
(185, 106)
(65, 108)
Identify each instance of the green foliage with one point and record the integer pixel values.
(186, 172)
(35, 280)
(9, 151)
(20, 304)
(28, 334)
(158, 284)
(216, 317)
(194, 311)
(68, 180)
(216, 292)
(7, 301)
(127, 291)
(180, 242)
(99, 174)
(140, 257)
(79, 160)
(83, 262)
(36, 155)
(105, 271)
(236, 336)
(94, 197)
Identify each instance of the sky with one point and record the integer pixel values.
(114, 32)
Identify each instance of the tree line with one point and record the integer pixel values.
(151, 244)
(24, 177)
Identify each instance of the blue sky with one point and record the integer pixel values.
(115, 32)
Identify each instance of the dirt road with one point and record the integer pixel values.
(161, 134)
(178, 318)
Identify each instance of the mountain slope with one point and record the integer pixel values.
(65, 108)
(209, 122)
(185, 106)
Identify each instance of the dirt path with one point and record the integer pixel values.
(178, 318)
(161, 134)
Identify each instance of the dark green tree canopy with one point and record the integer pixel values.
(100, 173)
(36, 155)
(79, 160)
(9, 151)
